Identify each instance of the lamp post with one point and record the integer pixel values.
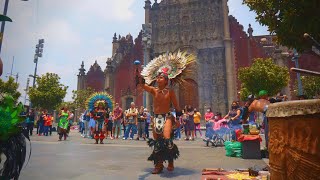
(38, 54)
(5, 10)
(295, 59)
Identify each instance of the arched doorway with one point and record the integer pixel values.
(188, 94)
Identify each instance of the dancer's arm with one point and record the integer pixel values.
(149, 89)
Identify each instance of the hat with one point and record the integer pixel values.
(145, 109)
(263, 93)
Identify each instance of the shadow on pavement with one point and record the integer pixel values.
(178, 171)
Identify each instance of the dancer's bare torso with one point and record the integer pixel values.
(162, 99)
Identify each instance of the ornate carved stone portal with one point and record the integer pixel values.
(195, 26)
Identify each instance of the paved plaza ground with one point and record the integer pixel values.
(81, 159)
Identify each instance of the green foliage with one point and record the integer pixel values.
(80, 96)
(263, 74)
(289, 19)
(10, 88)
(244, 93)
(311, 86)
(70, 105)
(49, 92)
(9, 117)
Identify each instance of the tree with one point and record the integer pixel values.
(263, 74)
(288, 19)
(70, 105)
(311, 86)
(80, 96)
(11, 88)
(49, 92)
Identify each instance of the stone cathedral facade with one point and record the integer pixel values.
(200, 27)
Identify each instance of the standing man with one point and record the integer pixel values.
(86, 118)
(131, 115)
(117, 118)
(148, 120)
(70, 119)
(40, 122)
(30, 123)
(165, 71)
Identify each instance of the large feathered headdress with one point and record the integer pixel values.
(175, 66)
(102, 98)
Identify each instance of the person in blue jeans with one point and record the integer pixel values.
(131, 127)
(178, 130)
(234, 116)
(148, 120)
(41, 122)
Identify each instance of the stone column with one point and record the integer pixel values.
(230, 70)
(147, 8)
(148, 95)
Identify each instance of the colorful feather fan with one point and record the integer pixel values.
(176, 65)
(100, 97)
(12, 138)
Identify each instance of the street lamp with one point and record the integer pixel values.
(5, 10)
(295, 59)
(38, 53)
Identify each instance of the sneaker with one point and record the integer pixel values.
(124, 138)
(131, 138)
(111, 138)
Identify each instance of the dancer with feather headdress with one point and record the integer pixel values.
(100, 103)
(165, 71)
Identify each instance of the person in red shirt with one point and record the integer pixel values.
(46, 123)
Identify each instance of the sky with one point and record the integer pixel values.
(76, 31)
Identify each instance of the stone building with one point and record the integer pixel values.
(118, 77)
(201, 27)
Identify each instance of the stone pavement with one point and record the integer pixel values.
(80, 159)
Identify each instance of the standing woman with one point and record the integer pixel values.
(190, 123)
(197, 122)
(63, 123)
(92, 124)
(99, 116)
(30, 123)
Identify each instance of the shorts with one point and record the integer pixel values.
(117, 123)
(109, 126)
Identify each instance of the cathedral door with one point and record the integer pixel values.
(128, 102)
(188, 94)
